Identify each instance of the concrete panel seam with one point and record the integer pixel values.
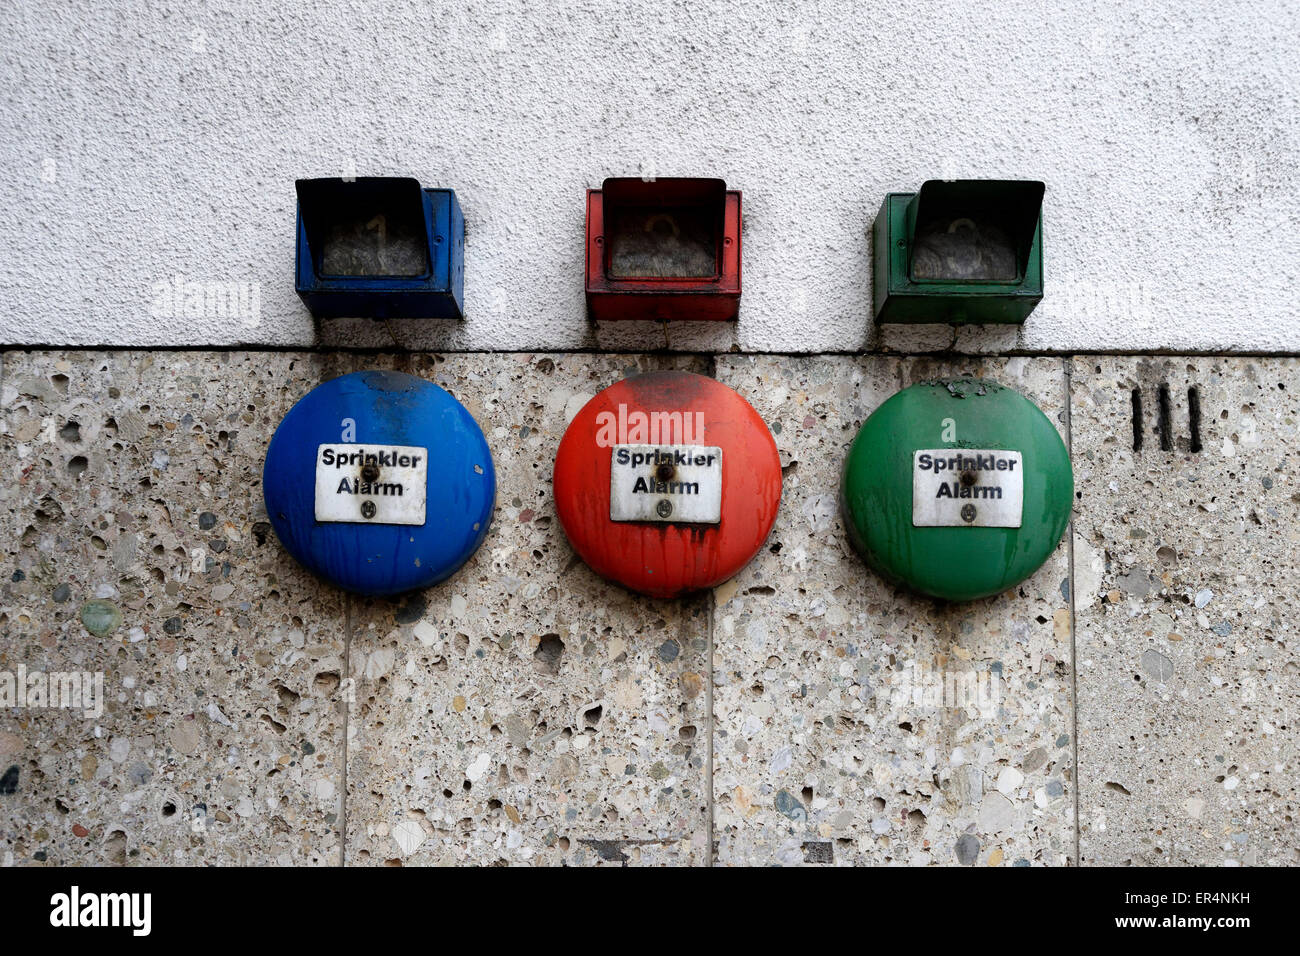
(1067, 363)
(709, 723)
(346, 703)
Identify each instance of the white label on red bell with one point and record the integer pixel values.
(967, 488)
(371, 484)
(665, 483)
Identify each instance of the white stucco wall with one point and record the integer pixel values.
(143, 141)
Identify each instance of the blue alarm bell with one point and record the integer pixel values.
(379, 482)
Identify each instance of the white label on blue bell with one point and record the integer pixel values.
(967, 488)
(371, 484)
(666, 483)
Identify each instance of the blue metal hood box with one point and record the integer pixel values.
(379, 247)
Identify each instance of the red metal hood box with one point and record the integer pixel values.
(663, 249)
(667, 483)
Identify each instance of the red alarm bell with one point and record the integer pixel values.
(667, 483)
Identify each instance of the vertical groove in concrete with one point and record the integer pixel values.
(347, 713)
(1074, 654)
(712, 606)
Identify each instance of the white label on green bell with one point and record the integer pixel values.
(967, 488)
(371, 484)
(666, 483)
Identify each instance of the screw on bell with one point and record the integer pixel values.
(368, 509)
(664, 508)
(370, 472)
(665, 471)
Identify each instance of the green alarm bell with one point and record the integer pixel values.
(958, 489)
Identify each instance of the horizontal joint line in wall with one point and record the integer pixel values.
(660, 350)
